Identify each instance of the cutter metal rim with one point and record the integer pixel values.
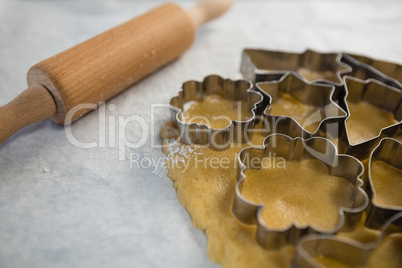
(293, 61)
(305, 256)
(202, 134)
(388, 150)
(291, 123)
(274, 238)
(371, 73)
(393, 98)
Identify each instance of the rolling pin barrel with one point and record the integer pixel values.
(103, 66)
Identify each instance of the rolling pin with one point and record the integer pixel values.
(103, 66)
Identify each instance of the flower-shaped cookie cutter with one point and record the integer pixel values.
(318, 148)
(346, 251)
(390, 151)
(217, 139)
(262, 65)
(329, 115)
(375, 93)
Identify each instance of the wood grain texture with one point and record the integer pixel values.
(101, 67)
(32, 105)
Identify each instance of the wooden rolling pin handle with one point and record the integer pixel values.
(207, 10)
(33, 105)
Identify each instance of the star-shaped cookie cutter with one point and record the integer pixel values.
(349, 252)
(263, 65)
(329, 115)
(318, 148)
(390, 151)
(202, 134)
(379, 95)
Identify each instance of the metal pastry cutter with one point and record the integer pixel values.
(379, 95)
(349, 252)
(365, 68)
(217, 139)
(329, 115)
(389, 151)
(263, 65)
(318, 148)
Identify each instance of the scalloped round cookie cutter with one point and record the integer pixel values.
(318, 148)
(202, 134)
(349, 252)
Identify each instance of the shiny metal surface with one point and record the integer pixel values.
(262, 65)
(390, 151)
(378, 94)
(217, 139)
(329, 116)
(298, 149)
(341, 249)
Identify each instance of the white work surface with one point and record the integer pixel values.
(65, 206)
